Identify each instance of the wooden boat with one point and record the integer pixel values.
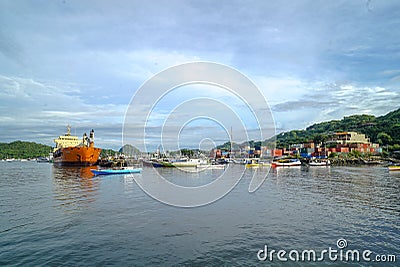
(394, 168)
(286, 163)
(126, 170)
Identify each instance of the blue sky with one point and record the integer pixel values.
(80, 62)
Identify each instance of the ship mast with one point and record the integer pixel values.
(68, 130)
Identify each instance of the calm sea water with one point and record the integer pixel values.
(62, 216)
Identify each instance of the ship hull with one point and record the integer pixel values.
(77, 156)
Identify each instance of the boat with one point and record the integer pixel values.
(394, 167)
(70, 150)
(286, 163)
(252, 163)
(126, 170)
(185, 162)
(314, 163)
(157, 163)
(42, 160)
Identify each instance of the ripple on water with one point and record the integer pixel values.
(62, 216)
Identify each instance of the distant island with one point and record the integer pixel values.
(24, 150)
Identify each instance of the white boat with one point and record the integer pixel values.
(185, 162)
(286, 163)
(42, 159)
(319, 163)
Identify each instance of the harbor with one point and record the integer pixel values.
(200, 133)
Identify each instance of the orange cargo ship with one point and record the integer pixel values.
(70, 150)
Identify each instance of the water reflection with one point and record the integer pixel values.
(362, 188)
(74, 187)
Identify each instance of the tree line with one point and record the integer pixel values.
(23, 150)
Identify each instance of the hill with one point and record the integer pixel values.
(384, 130)
(23, 150)
(129, 150)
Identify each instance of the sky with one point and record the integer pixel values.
(81, 62)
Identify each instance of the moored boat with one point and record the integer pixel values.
(70, 150)
(157, 163)
(126, 170)
(286, 163)
(185, 162)
(252, 163)
(394, 167)
(314, 163)
(42, 160)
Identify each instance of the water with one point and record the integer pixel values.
(62, 216)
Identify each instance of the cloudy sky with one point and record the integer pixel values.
(80, 62)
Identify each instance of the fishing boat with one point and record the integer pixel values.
(126, 170)
(70, 150)
(394, 167)
(286, 163)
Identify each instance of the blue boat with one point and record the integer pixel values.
(116, 171)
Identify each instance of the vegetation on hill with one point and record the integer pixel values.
(23, 150)
(384, 130)
(107, 152)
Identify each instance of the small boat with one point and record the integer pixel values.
(286, 163)
(252, 163)
(42, 159)
(319, 163)
(126, 170)
(186, 162)
(157, 163)
(394, 167)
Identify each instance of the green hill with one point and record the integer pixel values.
(384, 130)
(23, 150)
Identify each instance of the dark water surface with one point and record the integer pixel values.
(62, 216)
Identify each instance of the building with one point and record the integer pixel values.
(346, 142)
(350, 138)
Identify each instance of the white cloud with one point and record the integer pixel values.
(81, 61)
